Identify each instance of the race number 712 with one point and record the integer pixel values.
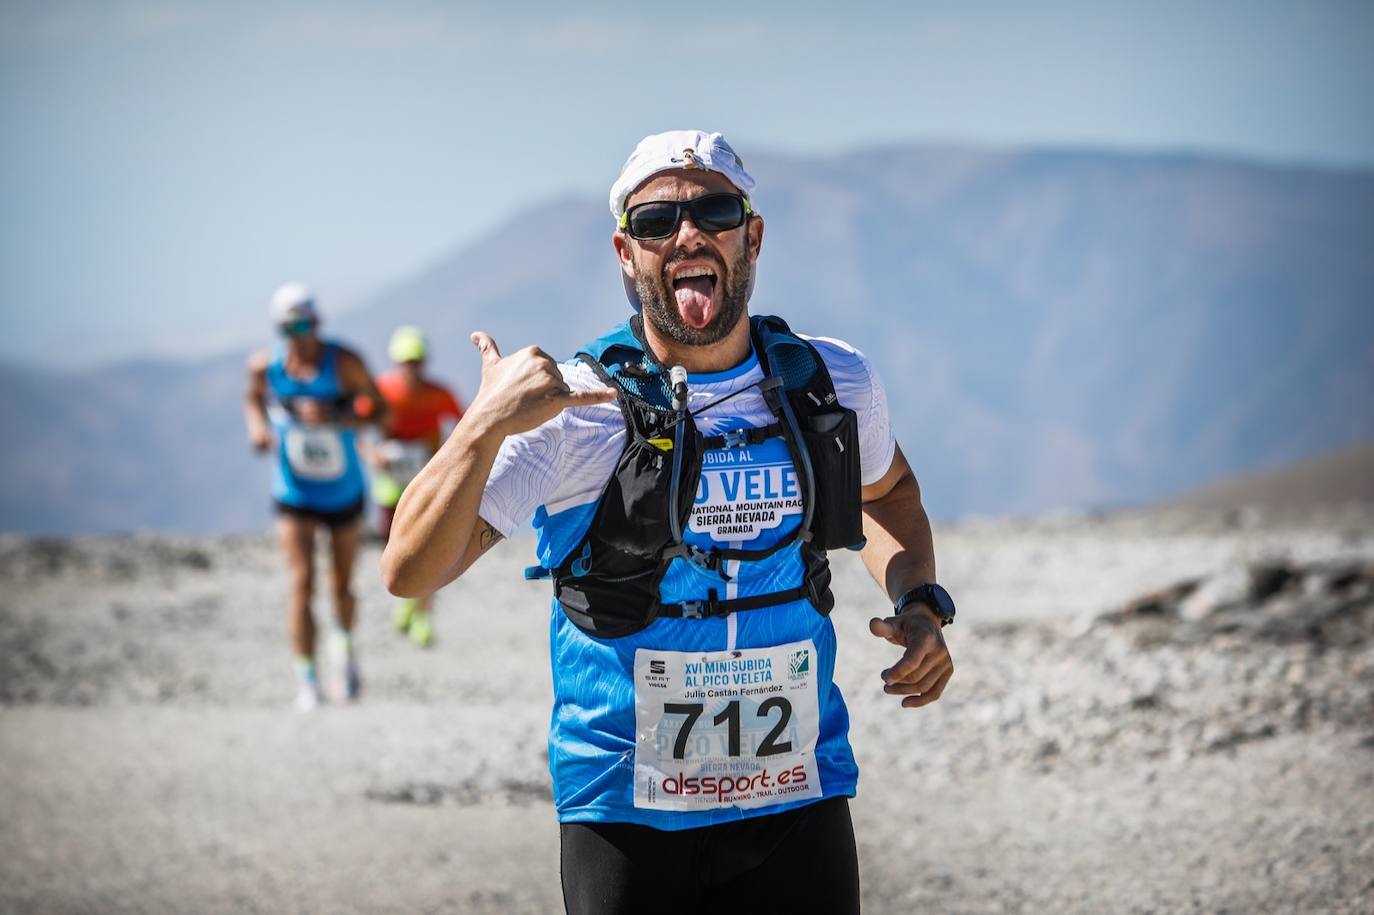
(730, 716)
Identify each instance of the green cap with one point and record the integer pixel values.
(407, 345)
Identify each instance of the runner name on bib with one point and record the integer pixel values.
(726, 729)
(315, 452)
(745, 491)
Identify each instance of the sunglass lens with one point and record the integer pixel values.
(718, 212)
(653, 220)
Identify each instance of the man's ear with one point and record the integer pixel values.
(755, 230)
(627, 268)
(622, 251)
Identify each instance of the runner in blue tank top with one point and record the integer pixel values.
(301, 407)
(700, 752)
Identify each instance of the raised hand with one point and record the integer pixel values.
(523, 390)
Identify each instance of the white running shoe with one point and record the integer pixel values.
(345, 683)
(308, 697)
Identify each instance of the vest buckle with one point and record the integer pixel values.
(701, 609)
(736, 439)
(710, 560)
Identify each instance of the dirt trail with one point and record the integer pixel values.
(1210, 747)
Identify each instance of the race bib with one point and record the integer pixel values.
(404, 460)
(745, 491)
(726, 729)
(315, 452)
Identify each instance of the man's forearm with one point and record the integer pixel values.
(437, 516)
(255, 417)
(900, 553)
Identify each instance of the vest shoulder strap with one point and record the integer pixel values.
(794, 360)
(615, 347)
(624, 364)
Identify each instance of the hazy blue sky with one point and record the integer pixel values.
(164, 165)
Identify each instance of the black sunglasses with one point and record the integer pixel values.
(297, 327)
(710, 213)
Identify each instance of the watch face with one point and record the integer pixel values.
(940, 602)
(935, 597)
(944, 604)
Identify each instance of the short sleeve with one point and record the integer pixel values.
(523, 477)
(859, 388)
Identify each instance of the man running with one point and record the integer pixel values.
(686, 475)
(300, 405)
(419, 408)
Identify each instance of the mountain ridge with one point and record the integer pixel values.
(1056, 328)
(1342, 476)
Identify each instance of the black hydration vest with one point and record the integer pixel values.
(608, 584)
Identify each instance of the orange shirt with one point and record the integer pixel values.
(416, 414)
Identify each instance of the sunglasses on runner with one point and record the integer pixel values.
(296, 328)
(710, 213)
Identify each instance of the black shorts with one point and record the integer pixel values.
(800, 860)
(338, 517)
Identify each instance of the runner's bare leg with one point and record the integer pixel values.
(343, 543)
(297, 536)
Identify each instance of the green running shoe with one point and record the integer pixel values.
(421, 630)
(402, 614)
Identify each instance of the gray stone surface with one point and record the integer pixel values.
(1098, 748)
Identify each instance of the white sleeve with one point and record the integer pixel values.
(859, 388)
(523, 477)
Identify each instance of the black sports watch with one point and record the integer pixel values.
(933, 596)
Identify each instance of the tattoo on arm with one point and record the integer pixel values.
(488, 537)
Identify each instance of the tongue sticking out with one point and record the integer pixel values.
(694, 300)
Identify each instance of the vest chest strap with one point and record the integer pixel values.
(712, 559)
(741, 437)
(711, 607)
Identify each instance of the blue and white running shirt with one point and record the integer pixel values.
(748, 498)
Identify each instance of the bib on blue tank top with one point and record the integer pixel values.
(317, 466)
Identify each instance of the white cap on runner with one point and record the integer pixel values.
(293, 302)
(661, 152)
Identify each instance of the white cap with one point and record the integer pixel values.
(661, 152)
(293, 302)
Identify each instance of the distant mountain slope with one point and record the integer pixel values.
(154, 445)
(1343, 476)
(1055, 328)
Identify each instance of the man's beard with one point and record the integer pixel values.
(659, 304)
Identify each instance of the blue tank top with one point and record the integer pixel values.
(592, 741)
(317, 467)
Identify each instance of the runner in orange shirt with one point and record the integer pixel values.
(419, 406)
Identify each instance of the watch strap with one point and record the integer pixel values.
(922, 594)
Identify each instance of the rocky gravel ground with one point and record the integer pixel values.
(1150, 713)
